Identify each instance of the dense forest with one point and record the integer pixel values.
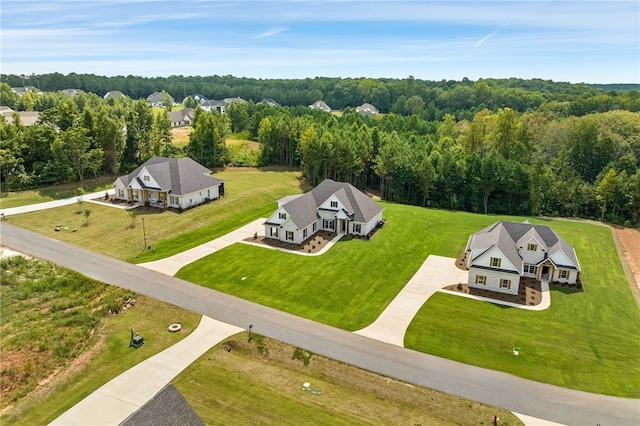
(526, 147)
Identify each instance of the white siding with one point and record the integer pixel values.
(493, 280)
(560, 258)
(533, 257)
(485, 260)
(327, 204)
(572, 276)
(372, 223)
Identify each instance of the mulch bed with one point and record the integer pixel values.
(312, 245)
(530, 292)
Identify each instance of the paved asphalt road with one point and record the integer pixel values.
(499, 389)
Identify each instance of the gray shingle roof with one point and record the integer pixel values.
(179, 176)
(509, 236)
(320, 105)
(303, 210)
(167, 408)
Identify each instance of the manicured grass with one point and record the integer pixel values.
(250, 194)
(586, 341)
(261, 383)
(350, 285)
(110, 356)
(56, 192)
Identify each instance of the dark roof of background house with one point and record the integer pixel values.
(167, 408)
(179, 176)
(304, 209)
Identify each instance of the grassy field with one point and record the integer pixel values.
(244, 153)
(261, 383)
(249, 194)
(586, 341)
(56, 192)
(48, 312)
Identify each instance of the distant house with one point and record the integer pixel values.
(27, 118)
(498, 255)
(235, 100)
(367, 110)
(169, 182)
(184, 117)
(114, 94)
(320, 105)
(71, 92)
(156, 99)
(20, 91)
(209, 106)
(270, 102)
(331, 206)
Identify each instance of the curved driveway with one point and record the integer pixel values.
(491, 387)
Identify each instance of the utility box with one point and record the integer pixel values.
(136, 339)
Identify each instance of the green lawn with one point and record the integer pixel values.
(249, 194)
(56, 192)
(586, 341)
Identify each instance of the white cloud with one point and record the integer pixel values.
(272, 32)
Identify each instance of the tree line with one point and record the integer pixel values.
(541, 161)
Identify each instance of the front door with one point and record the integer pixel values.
(545, 273)
(344, 225)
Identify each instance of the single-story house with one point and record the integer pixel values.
(156, 99)
(184, 117)
(27, 118)
(115, 94)
(20, 91)
(169, 182)
(331, 206)
(498, 255)
(209, 106)
(320, 105)
(367, 109)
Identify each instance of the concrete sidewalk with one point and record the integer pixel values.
(55, 203)
(171, 265)
(436, 272)
(122, 396)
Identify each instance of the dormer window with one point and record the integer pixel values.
(146, 178)
(532, 247)
(334, 204)
(283, 216)
(495, 262)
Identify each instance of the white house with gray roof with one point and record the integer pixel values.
(331, 206)
(169, 182)
(500, 254)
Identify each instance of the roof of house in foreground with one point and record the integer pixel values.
(509, 236)
(178, 176)
(168, 407)
(304, 209)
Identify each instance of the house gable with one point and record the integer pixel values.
(493, 254)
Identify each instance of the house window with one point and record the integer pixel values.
(315, 226)
(481, 280)
(120, 193)
(290, 235)
(532, 247)
(146, 178)
(495, 262)
(328, 224)
(174, 199)
(274, 232)
(135, 194)
(283, 216)
(505, 283)
(529, 269)
(334, 204)
(304, 233)
(564, 274)
(357, 228)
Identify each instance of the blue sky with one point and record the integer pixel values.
(575, 41)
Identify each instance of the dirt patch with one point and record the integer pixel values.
(630, 241)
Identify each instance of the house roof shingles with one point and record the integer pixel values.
(303, 210)
(179, 176)
(168, 407)
(509, 236)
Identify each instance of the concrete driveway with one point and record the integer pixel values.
(115, 401)
(171, 265)
(55, 203)
(436, 272)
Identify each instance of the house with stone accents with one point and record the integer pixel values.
(169, 182)
(500, 254)
(331, 206)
